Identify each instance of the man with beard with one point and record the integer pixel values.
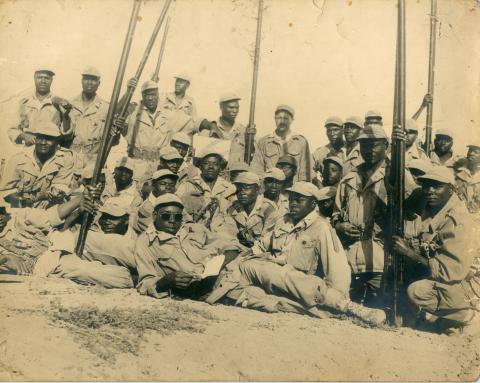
(326, 201)
(448, 252)
(288, 164)
(413, 151)
(253, 214)
(274, 185)
(334, 129)
(179, 100)
(39, 175)
(88, 118)
(352, 129)
(442, 149)
(284, 142)
(468, 180)
(332, 171)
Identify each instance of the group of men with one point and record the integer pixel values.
(294, 230)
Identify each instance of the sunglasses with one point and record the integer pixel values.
(177, 217)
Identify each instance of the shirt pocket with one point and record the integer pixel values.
(294, 148)
(303, 256)
(271, 150)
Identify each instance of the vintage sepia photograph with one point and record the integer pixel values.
(240, 190)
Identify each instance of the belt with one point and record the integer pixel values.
(145, 154)
(86, 148)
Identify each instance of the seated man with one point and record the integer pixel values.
(301, 259)
(40, 175)
(253, 214)
(468, 180)
(274, 185)
(447, 250)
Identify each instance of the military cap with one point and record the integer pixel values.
(285, 108)
(472, 146)
(247, 178)
(419, 164)
(147, 85)
(183, 76)
(47, 128)
(373, 114)
(125, 162)
(45, 69)
(275, 173)
(304, 188)
(287, 160)
(334, 120)
(228, 97)
(169, 153)
(211, 150)
(440, 174)
(411, 124)
(181, 137)
(444, 132)
(326, 193)
(355, 120)
(335, 159)
(91, 71)
(113, 209)
(164, 173)
(87, 171)
(239, 166)
(373, 132)
(167, 199)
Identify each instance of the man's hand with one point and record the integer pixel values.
(132, 83)
(251, 130)
(398, 134)
(94, 192)
(427, 100)
(14, 263)
(119, 123)
(180, 280)
(87, 204)
(349, 230)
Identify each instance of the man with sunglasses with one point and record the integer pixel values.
(253, 214)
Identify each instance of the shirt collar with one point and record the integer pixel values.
(152, 234)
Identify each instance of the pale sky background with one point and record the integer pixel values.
(323, 57)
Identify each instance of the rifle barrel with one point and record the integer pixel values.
(155, 76)
(431, 74)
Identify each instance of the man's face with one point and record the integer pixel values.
(90, 84)
(436, 193)
(150, 99)
(163, 185)
(181, 86)
(411, 137)
(300, 206)
(113, 225)
(123, 177)
(45, 145)
(326, 207)
(210, 167)
(4, 218)
(181, 148)
(351, 132)
(246, 194)
(373, 150)
(283, 120)
(172, 165)
(230, 109)
(331, 174)
(442, 144)
(273, 188)
(43, 82)
(288, 170)
(168, 218)
(473, 155)
(334, 134)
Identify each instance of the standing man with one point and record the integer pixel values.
(413, 151)
(39, 175)
(442, 149)
(284, 142)
(468, 180)
(41, 102)
(179, 100)
(88, 116)
(334, 129)
(352, 129)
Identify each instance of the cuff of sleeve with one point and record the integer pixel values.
(53, 216)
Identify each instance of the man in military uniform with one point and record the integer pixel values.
(253, 214)
(442, 153)
(326, 201)
(182, 143)
(334, 129)
(179, 100)
(413, 151)
(39, 104)
(88, 116)
(39, 175)
(288, 164)
(468, 181)
(284, 142)
(274, 190)
(206, 196)
(447, 250)
(352, 129)
(332, 171)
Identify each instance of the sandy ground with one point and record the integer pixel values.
(53, 329)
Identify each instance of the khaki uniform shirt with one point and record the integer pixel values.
(29, 110)
(311, 246)
(186, 104)
(468, 189)
(352, 159)
(23, 174)
(448, 162)
(415, 152)
(326, 151)
(271, 148)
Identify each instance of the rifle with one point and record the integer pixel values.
(431, 74)
(397, 172)
(155, 76)
(108, 132)
(250, 131)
